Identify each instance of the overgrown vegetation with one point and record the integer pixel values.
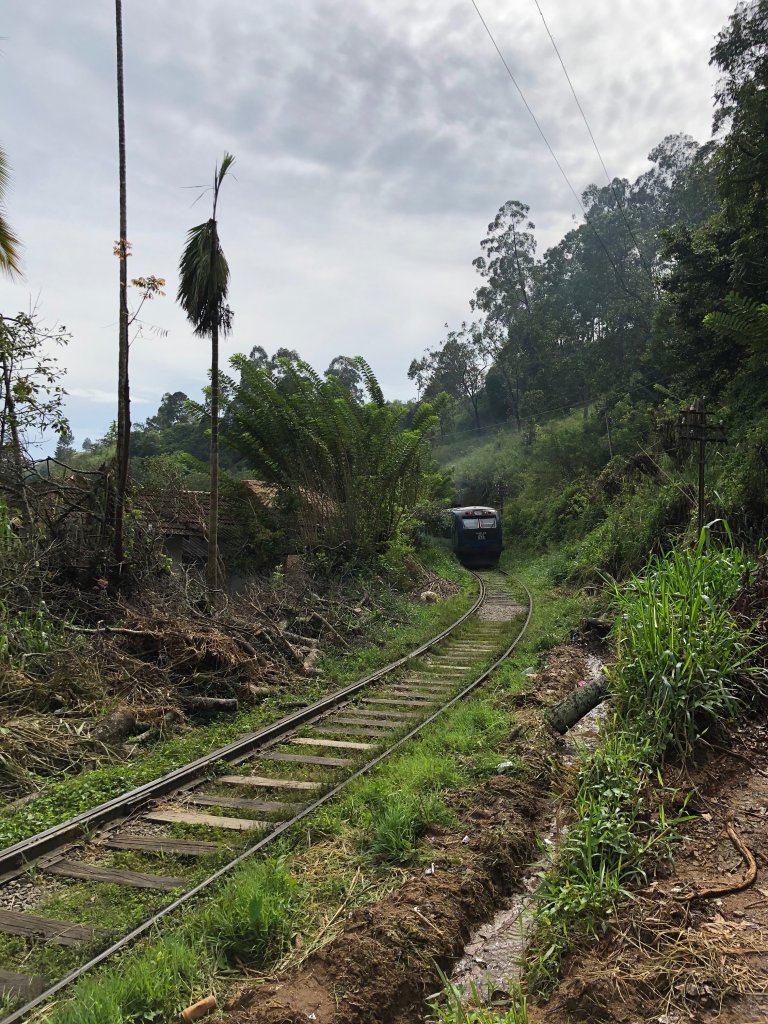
(681, 674)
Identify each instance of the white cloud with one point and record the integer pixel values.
(374, 143)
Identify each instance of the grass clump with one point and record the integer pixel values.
(449, 1007)
(396, 821)
(681, 651)
(255, 926)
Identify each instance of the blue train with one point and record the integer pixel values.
(476, 535)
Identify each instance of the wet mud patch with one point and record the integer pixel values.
(693, 945)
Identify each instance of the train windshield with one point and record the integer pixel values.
(478, 522)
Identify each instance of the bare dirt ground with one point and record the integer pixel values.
(383, 963)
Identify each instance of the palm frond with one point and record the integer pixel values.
(203, 279)
(10, 244)
(745, 321)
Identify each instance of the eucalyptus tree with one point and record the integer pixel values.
(458, 367)
(202, 294)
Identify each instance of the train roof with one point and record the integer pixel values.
(481, 509)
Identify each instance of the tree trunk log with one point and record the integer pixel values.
(116, 726)
(212, 704)
(568, 712)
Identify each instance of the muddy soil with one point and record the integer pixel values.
(383, 964)
(693, 946)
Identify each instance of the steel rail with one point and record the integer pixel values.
(15, 859)
(142, 929)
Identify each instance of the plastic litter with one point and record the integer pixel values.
(430, 870)
(506, 766)
(199, 1009)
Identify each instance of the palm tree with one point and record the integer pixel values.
(121, 251)
(10, 246)
(203, 285)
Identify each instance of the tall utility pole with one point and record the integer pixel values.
(123, 387)
(696, 429)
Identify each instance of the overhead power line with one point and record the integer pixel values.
(560, 167)
(608, 177)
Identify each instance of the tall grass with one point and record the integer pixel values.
(616, 836)
(682, 655)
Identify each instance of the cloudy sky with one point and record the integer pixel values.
(374, 140)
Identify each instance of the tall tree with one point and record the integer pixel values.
(10, 246)
(347, 371)
(203, 287)
(458, 367)
(122, 250)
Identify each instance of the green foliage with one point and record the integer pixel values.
(613, 840)
(681, 651)
(256, 922)
(27, 634)
(451, 1006)
(151, 986)
(390, 812)
(10, 246)
(396, 822)
(204, 271)
(681, 656)
(743, 320)
(350, 467)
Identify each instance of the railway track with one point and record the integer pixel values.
(230, 804)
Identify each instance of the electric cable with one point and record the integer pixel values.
(608, 177)
(567, 180)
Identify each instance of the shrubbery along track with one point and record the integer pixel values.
(314, 753)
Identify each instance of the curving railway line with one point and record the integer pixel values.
(230, 804)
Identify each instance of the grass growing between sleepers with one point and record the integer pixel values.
(679, 675)
(73, 794)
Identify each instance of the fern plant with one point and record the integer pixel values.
(350, 466)
(744, 321)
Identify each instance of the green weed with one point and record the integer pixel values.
(256, 920)
(616, 836)
(150, 986)
(681, 651)
(448, 1007)
(680, 654)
